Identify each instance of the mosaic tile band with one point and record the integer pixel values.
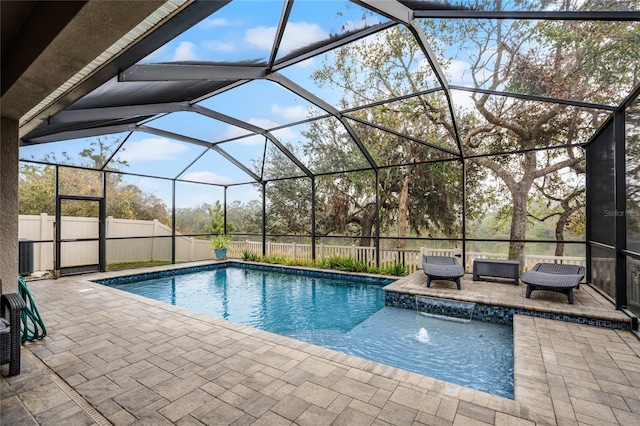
(494, 314)
(232, 264)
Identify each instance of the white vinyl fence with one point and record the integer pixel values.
(41, 227)
(412, 258)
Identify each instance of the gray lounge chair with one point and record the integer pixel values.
(10, 309)
(554, 277)
(442, 268)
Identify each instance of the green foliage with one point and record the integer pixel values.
(216, 225)
(397, 269)
(249, 256)
(347, 264)
(220, 241)
(338, 263)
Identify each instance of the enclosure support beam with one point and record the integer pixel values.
(173, 221)
(377, 240)
(313, 218)
(264, 218)
(620, 208)
(57, 244)
(224, 212)
(102, 226)
(464, 213)
(284, 18)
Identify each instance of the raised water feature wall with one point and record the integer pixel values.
(497, 314)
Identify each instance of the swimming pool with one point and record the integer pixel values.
(342, 313)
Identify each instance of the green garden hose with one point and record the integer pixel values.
(32, 325)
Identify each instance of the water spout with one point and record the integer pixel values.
(422, 335)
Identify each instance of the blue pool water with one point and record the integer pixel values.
(348, 317)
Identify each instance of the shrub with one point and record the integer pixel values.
(253, 257)
(397, 269)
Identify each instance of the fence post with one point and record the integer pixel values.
(44, 234)
(193, 249)
(294, 250)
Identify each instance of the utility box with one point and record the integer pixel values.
(25, 256)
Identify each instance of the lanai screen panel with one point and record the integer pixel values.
(392, 149)
(288, 207)
(422, 200)
(152, 155)
(325, 146)
(316, 23)
(346, 206)
(502, 124)
(576, 60)
(633, 176)
(89, 152)
(271, 105)
(244, 211)
(212, 167)
(239, 31)
(425, 118)
(197, 126)
(601, 191)
(195, 205)
(384, 65)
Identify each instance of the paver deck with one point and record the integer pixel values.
(114, 357)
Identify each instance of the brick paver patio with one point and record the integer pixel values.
(114, 357)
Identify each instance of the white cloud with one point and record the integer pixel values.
(462, 100)
(218, 46)
(186, 51)
(285, 134)
(294, 113)
(151, 149)
(307, 63)
(456, 72)
(264, 123)
(232, 132)
(296, 35)
(208, 177)
(352, 25)
(213, 22)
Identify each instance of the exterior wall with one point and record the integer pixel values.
(9, 205)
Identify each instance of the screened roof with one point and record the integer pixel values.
(259, 81)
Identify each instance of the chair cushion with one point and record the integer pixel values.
(443, 270)
(544, 279)
(5, 327)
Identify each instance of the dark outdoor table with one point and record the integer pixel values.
(496, 268)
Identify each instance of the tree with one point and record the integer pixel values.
(216, 221)
(562, 59)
